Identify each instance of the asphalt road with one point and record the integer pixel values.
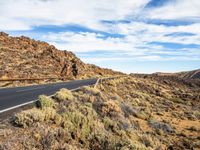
(11, 98)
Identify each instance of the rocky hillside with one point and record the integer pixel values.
(195, 74)
(22, 57)
(129, 113)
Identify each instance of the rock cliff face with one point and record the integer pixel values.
(22, 57)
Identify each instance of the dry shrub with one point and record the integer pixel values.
(160, 125)
(45, 101)
(141, 115)
(110, 108)
(63, 95)
(196, 113)
(112, 85)
(49, 113)
(90, 90)
(58, 119)
(82, 123)
(85, 98)
(128, 110)
(119, 143)
(150, 141)
(78, 125)
(30, 117)
(109, 124)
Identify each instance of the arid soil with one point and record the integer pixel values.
(133, 112)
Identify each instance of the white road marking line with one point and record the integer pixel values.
(17, 106)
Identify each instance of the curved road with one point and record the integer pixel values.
(11, 98)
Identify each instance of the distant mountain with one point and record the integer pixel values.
(22, 57)
(195, 74)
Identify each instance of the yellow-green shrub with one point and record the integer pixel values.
(58, 119)
(32, 116)
(63, 95)
(110, 108)
(29, 117)
(90, 90)
(45, 101)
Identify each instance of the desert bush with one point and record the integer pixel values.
(45, 101)
(177, 100)
(141, 115)
(52, 138)
(109, 124)
(110, 108)
(30, 117)
(88, 111)
(128, 110)
(85, 98)
(63, 95)
(122, 143)
(197, 114)
(78, 124)
(57, 119)
(49, 113)
(90, 90)
(159, 125)
(111, 85)
(149, 141)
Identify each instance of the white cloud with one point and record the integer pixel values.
(24, 14)
(133, 46)
(147, 33)
(89, 13)
(178, 9)
(86, 42)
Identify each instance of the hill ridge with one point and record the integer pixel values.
(23, 57)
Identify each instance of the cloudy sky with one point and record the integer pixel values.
(126, 35)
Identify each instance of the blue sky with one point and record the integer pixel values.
(126, 35)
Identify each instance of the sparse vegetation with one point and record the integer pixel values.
(122, 114)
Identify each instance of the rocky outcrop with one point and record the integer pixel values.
(22, 57)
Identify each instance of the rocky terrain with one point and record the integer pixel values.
(22, 57)
(195, 74)
(133, 112)
(144, 112)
